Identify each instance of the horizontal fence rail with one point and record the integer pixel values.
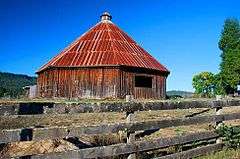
(120, 149)
(199, 151)
(61, 132)
(97, 107)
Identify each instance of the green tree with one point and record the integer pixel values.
(11, 85)
(230, 35)
(2, 91)
(218, 85)
(203, 83)
(229, 44)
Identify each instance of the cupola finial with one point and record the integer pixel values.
(106, 16)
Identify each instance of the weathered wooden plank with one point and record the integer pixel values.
(98, 107)
(144, 106)
(119, 149)
(56, 132)
(36, 134)
(199, 151)
(61, 132)
(197, 113)
(131, 135)
(9, 109)
(158, 124)
(10, 135)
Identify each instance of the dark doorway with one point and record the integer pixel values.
(143, 81)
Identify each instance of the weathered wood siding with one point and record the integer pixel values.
(97, 83)
(127, 86)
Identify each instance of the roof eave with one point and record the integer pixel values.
(165, 72)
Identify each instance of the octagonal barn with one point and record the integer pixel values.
(103, 63)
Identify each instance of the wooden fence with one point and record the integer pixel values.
(132, 147)
(98, 107)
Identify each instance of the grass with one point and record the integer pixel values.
(224, 154)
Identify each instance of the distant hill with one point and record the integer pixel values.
(11, 84)
(179, 93)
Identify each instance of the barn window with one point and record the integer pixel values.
(143, 81)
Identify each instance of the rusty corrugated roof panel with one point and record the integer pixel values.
(104, 44)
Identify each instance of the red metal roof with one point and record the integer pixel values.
(104, 44)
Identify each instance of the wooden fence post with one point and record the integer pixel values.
(130, 134)
(218, 123)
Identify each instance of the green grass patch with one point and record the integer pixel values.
(224, 154)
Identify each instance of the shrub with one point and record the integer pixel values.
(231, 135)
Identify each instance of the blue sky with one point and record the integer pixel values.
(181, 34)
